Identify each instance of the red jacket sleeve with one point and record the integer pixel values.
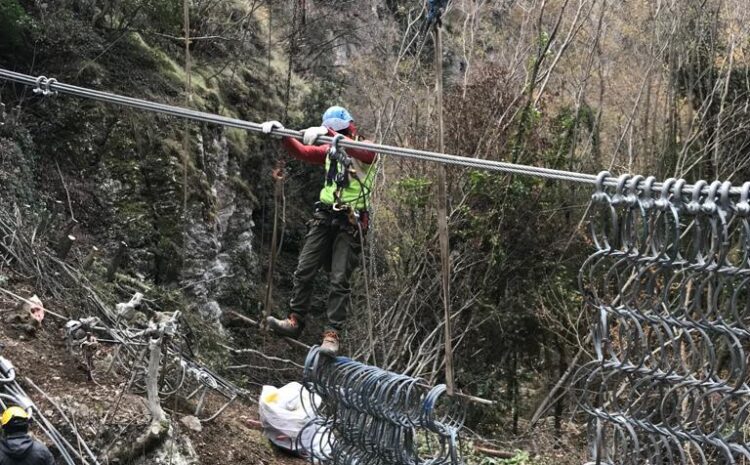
(315, 154)
(363, 155)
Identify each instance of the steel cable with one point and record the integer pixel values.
(49, 86)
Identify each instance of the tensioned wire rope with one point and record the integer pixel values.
(47, 86)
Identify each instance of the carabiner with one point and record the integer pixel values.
(335, 142)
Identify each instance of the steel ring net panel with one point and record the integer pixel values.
(669, 293)
(373, 416)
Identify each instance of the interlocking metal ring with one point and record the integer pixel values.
(669, 288)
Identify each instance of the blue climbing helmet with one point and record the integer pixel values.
(337, 118)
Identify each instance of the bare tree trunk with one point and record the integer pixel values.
(63, 248)
(159, 427)
(116, 262)
(560, 404)
(152, 380)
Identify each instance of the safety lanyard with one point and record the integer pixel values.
(336, 156)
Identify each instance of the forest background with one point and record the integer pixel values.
(651, 87)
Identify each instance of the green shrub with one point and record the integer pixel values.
(14, 23)
(414, 192)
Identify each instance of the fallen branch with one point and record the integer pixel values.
(261, 354)
(182, 39)
(502, 454)
(470, 398)
(255, 323)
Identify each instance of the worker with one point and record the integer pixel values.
(338, 227)
(17, 447)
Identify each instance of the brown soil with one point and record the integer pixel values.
(43, 357)
(231, 440)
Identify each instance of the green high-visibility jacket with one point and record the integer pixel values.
(357, 195)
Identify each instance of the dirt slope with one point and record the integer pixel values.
(103, 414)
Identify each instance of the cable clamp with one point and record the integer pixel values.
(48, 87)
(43, 86)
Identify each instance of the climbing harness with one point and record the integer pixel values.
(341, 173)
(669, 286)
(369, 415)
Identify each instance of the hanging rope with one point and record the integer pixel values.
(290, 62)
(279, 199)
(442, 212)
(370, 323)
(188, 101)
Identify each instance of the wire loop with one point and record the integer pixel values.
(369, 415)
(669, 289)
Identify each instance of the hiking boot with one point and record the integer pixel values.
(289, 327)
(330, 345)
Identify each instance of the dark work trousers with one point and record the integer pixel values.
(332, 243)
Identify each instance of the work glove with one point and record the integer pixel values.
(269, 126)
(310, 134)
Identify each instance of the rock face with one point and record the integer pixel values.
(192, 423)
(219, 253)
(177, 449)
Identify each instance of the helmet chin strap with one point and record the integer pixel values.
(350, 131)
